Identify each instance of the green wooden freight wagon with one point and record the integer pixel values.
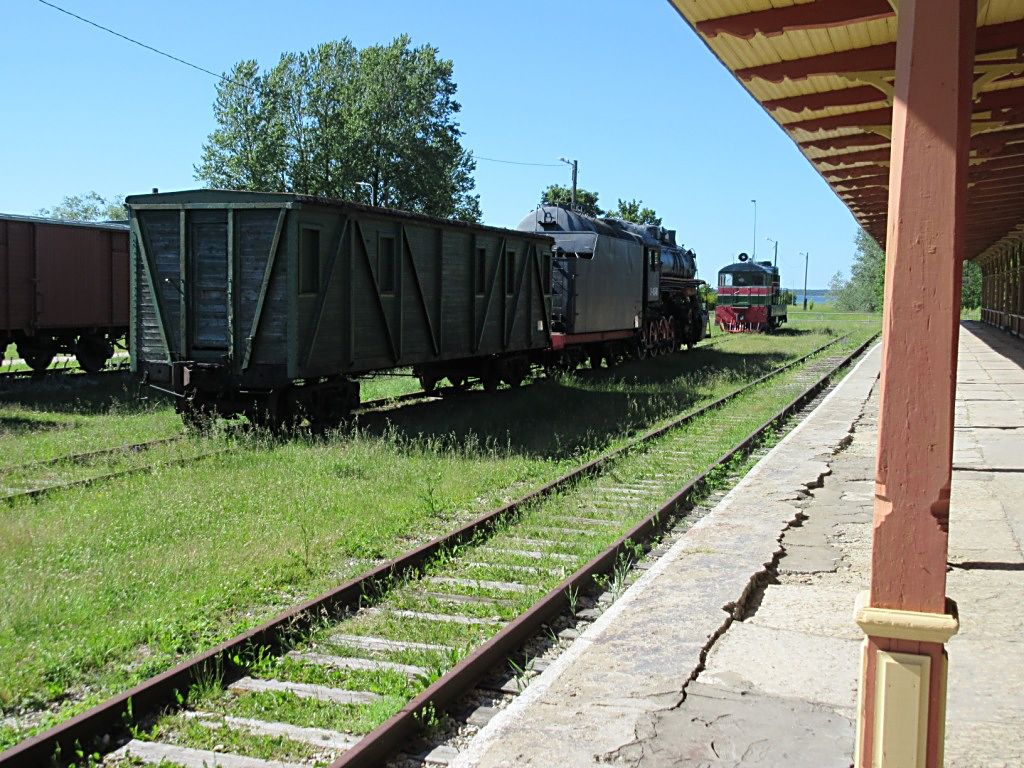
(271, 305)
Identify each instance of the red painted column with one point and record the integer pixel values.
(925, 250)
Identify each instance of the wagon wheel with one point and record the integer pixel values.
(92, 353)
(595, 360)
(458, 383)
(195, 417)
(38, 358)
(428, 381)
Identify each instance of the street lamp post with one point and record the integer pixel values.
(807, 258)
(372, 189)
(753, 255)
(776, 244)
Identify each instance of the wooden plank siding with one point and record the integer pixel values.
(390, 289)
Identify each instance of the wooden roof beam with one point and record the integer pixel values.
(818, 15)
(845, 142)
(873, 58)
(882, 116)
(845, 97)
(852, 174)
(846, 159)
(860, 95)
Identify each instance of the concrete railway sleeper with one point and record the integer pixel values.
(410, 612)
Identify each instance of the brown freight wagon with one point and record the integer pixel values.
(63, 288)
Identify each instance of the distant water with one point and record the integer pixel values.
(817, 295)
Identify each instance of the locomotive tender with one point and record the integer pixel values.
(63, 288)
(619, 289)
(272, 305)
(749, 297)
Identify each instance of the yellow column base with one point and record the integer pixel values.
(902, 684)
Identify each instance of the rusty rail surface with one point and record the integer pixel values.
(97, 727)
(80, 458)
(82, 482)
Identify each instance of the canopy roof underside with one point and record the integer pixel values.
(824, 71)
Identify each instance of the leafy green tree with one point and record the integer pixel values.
(376, 125)
(635, 211)
(970, 296)
(247, 150)
(586, 201)
(91, 206)
(865, 289)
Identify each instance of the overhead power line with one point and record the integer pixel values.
(206, 71)
(134, 41)
(516, 162)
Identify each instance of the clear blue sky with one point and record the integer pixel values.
(623, 86)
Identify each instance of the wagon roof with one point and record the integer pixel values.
(224, 197)
(119, 226)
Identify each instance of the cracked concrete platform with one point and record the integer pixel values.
(603, 700)
(667, 677)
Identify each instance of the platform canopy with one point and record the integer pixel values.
(824, 70)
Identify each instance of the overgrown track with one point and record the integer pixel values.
(104, 725)
(79, 458)
(66, 368)
(84, 481)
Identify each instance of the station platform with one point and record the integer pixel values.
(738, 646)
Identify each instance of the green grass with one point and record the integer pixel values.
(108, 584)
(62, 415)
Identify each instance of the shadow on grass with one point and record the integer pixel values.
(18, 425)
(799, 331)
(75, 393)
(560, 418)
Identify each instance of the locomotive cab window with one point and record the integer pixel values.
(309, 260)
(386, 267)
(725, 279)
(654, 259)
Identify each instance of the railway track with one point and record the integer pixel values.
(415, 633)
(65, 368)
(10, 492)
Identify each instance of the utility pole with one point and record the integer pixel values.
(807, 258)
(753, 254)
(574, 164)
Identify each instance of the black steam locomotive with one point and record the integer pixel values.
(618, 289)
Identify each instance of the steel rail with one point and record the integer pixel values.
(382, 742)
(363, 407)
(82, 482)
(166, 689)
(447, 392)
(80, 458)
(62, 370)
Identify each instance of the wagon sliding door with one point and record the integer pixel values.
(208, 252)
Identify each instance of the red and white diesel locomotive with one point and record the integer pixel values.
(749, 297)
